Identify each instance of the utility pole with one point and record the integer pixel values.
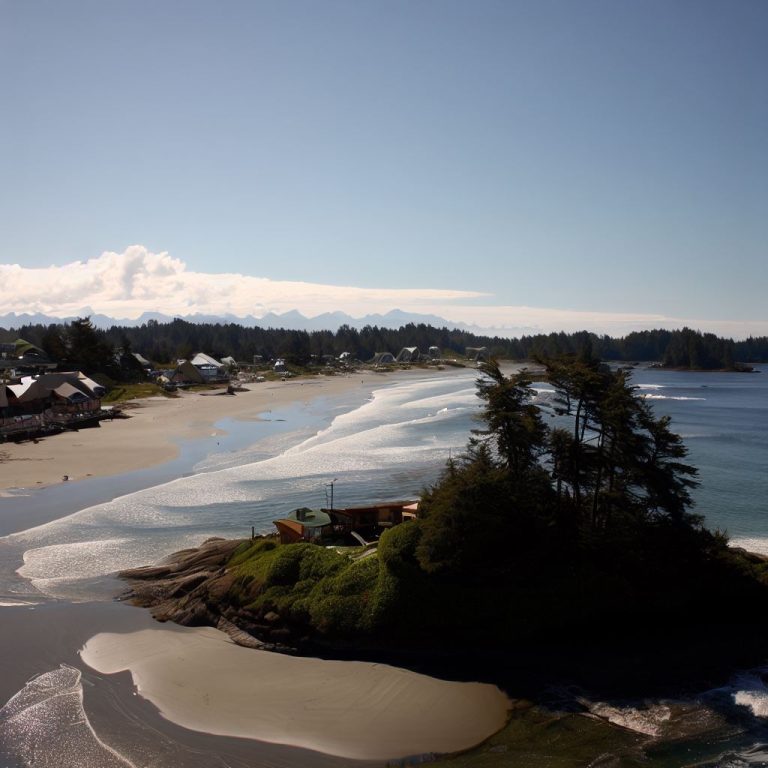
(330, 485)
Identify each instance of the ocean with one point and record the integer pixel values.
(389, 446)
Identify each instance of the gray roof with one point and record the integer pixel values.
(68, 392)
(202, 359)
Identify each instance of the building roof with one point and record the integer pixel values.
(77, 379)
(24, 348)
(141, 359)
(185, 371)
(202, 359)
(309, 518)
(29, 390)
(94, 386)
(71, 393)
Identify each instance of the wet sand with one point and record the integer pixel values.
(46, 636)
(152, 433)
(201, 680)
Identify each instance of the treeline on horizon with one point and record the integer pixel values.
(166, 342)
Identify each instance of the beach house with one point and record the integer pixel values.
(408, 355)
(363, 524)
(48, 403)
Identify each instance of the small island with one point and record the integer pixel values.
(560, 545)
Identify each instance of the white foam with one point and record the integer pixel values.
(751, 693)
(757, 701)
(399, 431)
(671, 397)
(751, 544)
(13, 603)
(45, 725)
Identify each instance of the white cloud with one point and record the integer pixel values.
(126, 284)
(123, 285)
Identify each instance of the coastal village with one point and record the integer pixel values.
(38, 399)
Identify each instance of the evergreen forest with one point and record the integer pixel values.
(79, 342)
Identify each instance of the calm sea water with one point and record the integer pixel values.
(391, 446)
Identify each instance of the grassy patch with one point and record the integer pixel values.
(123, 392)
(306, 583)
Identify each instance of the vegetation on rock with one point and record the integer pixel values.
(566, 522)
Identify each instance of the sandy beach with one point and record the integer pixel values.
(199, 679)
(151, 434)
(199, 693)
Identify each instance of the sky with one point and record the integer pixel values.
(520, 165)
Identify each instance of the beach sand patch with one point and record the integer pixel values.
(200, 680)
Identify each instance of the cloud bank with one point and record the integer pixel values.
(124, 285)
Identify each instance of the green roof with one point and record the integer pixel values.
(309, 518)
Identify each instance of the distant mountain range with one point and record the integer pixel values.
(292, 320)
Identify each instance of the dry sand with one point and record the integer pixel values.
(149, 437)
(200, 680)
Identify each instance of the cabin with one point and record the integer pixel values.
(51, 401)
(363, 525)
(209, 367)
(383, 358)
(186, 373)
(408, 355)
(478, 354)
(304, 524)
(371, 521)
(22, 357)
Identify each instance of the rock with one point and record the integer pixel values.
(238, 636)
(271, 617)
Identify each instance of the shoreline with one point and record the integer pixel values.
(199, 679)
(153, 432)
(382, 731)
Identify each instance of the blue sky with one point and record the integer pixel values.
(606, 157)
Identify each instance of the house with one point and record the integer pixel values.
(362, 524)
(210, 368)
(90, 388)
(434, 353)
(478, 354)
(304, 524)
(38, 404)
(408, 355)
(22, 357)
(383, 358)
(142, 361)
(371, 521)
(186, 373)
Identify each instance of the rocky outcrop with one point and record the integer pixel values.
(191, 587)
